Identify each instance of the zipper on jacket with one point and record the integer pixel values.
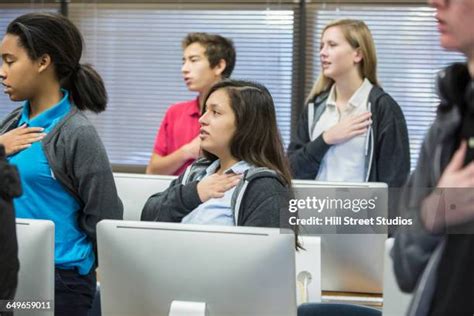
(437, 162)
(429, 272)
(186, 175)
(369, 143)
(311, 107)
(369, 130)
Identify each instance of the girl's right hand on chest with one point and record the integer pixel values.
(348, 128)
(21, 138)
(215, 186)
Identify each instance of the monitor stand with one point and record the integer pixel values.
(185, 308)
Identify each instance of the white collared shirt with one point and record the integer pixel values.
(345, 161)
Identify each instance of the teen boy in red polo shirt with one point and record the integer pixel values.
(207, 58)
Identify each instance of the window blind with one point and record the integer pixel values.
(137, 50)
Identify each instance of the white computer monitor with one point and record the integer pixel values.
(145, 266)
(135, 189)
(36, 256)
(308, 270)
(349, 262)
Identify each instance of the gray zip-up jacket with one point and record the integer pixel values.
(79, 162)
(387, 151)
(416, 253)
(260, 199)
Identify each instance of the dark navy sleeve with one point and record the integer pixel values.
(172, 204)
(305, 155)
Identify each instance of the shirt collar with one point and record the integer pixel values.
(358, 98)
(47, 117)
(194, 110)
(237, 168)
(332, 97)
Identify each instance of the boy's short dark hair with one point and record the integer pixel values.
(216, 48)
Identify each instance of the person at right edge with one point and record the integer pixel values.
(434, 257)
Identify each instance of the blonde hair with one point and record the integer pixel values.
(358, 35)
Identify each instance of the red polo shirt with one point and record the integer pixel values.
(179, 126)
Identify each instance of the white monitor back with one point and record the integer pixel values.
(135, 189)
(349, 262)
(395, 302)
(308, 270)
(235, 270)
(36, 255)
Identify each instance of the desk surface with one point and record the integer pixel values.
(368, 299)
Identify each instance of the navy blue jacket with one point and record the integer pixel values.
(389, 157)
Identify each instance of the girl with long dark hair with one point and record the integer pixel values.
(243, 154)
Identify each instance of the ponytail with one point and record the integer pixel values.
(87, 89)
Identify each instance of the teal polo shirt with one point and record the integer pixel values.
(45, 198)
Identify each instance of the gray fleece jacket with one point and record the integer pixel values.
(79, 162)
(416, 252)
